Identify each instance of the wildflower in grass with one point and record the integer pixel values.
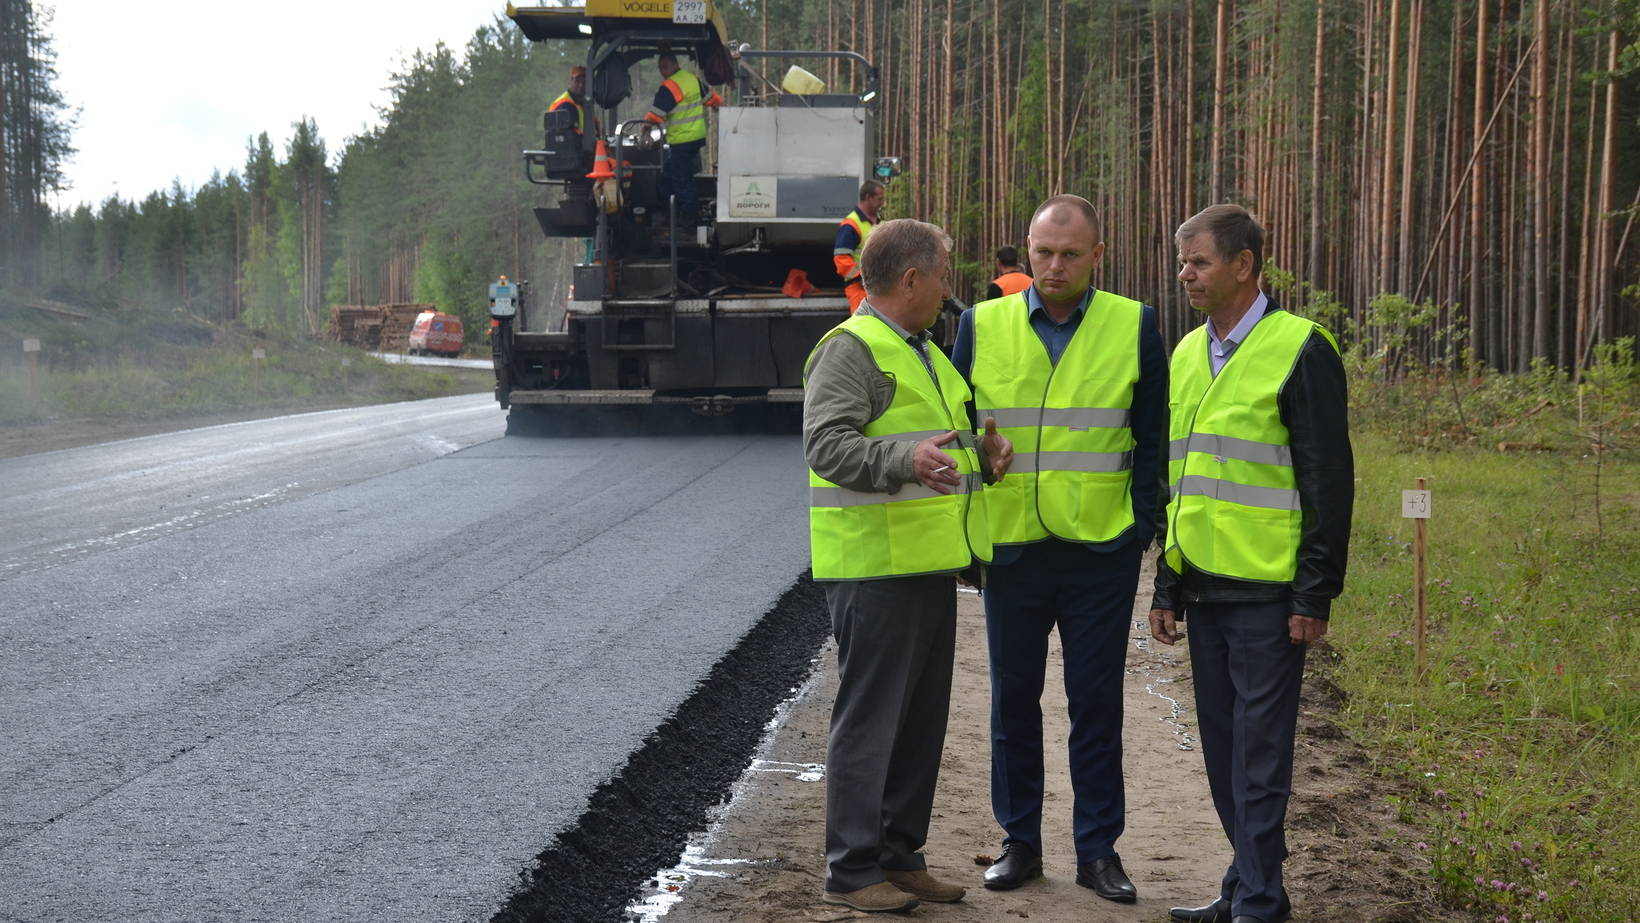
(1542, 896)
(1515, 845)
(1421, 845)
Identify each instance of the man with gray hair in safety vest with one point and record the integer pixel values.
(1076, 378)
(680, 104)
(1262, 481)
(896, 511)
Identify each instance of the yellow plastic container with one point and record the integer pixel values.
(802, 83)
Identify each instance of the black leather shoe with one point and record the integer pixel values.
(1216, 912)
(1019, 864)
(1219, 912)
(1106, 878)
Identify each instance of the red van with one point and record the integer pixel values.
(435, 334)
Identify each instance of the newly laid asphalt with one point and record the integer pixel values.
(354, 665)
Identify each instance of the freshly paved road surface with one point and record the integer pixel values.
(352, 665)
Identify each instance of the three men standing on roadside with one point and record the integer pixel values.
(1077, 380)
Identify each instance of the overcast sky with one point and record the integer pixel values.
(173, 88)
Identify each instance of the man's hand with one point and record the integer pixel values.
(1163, 627)
(998, 449)
(1301, 629)
(933, 468)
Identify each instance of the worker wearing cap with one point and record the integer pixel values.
(576, 98)
(680, 104)
(852, 232)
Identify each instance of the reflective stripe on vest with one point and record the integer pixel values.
(687, 120)
(860, 535)
(1072, 475)
(861, 227)
(580, 114)
(1233, 506)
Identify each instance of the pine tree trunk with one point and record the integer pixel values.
(1216, 157)
(1477, 195)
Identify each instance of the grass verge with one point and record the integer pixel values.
(127, 366)
(1516, 755)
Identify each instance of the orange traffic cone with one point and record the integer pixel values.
(603, 166)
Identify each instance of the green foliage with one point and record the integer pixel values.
(1518, 751)
(447, 279)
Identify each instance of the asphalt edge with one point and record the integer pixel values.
(640, 819)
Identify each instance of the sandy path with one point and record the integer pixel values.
(765, 861)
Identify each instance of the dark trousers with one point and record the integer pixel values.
(1247, 675)
(896, 642)
(1088, 596)
(682, 163)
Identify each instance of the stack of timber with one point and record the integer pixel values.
(384, 327)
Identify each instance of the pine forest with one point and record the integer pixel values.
(1443, 181)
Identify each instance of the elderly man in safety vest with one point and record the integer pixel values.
(896, 512)
(680, 104)
(1077, 379)
(1261, 477)
(852, 233)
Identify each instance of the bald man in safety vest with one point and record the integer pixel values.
(1076, 378)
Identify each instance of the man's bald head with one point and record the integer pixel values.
(1067, 209)
(1065, 250)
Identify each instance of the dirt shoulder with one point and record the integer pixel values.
(764, 859)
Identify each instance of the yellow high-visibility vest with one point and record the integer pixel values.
(1233, 507)
(687, 120)
(862, 227)
(860, 535)
(1070, 423)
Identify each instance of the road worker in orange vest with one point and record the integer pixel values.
(576, 98)
(851, 239)
(1011, 277)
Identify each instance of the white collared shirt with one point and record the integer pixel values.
(1219, 351)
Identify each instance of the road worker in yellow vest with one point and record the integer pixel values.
(680, 104)
(1076, 378)
(896, 512)
(852, 232)
(1261, 483)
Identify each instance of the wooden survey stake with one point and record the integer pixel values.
(1415, 506)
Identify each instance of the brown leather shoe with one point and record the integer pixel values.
(881, 897)
(922, 885)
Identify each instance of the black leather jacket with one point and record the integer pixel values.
(1315, 410)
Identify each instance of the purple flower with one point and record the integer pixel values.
(1421, 844)
(1440, 794)
(1515, 845)
(1497, 884)
(1542, 896)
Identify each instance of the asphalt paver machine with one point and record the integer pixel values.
(698, 316)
